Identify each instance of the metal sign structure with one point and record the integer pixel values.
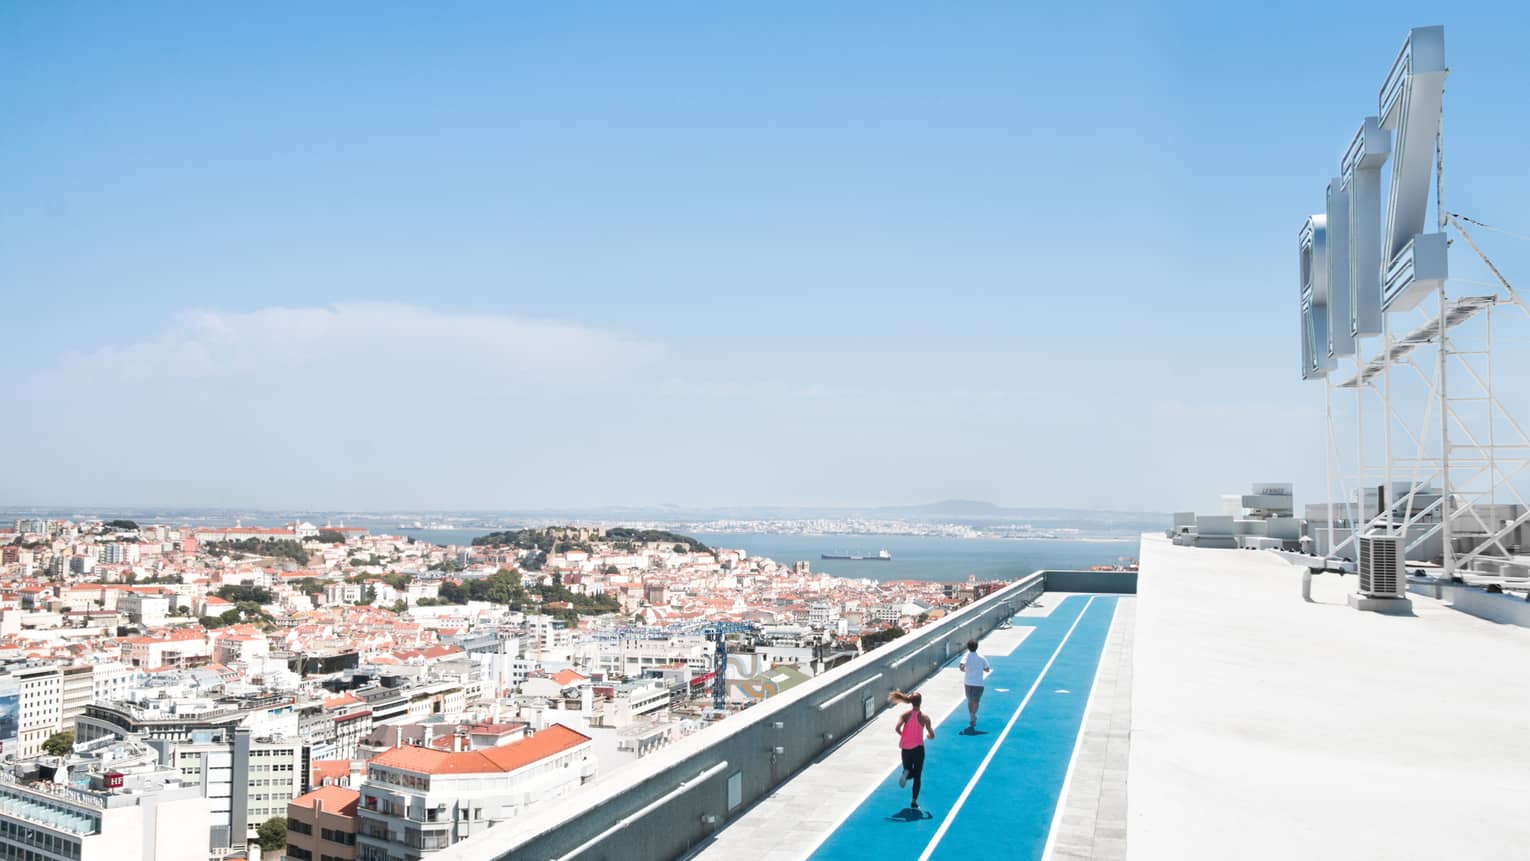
(1448, 484)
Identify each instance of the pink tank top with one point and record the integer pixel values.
(913, 732)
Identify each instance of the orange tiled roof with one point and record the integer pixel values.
(342, 700)
(569, 677)
(549, 742)
(336, 799)
(329, 769)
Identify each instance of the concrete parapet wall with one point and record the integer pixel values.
(1492, 606)
(1099, 582)
(673, 800)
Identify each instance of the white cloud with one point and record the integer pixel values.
(364, 336)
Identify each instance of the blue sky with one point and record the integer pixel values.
(522, 255)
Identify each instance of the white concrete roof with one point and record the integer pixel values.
(1266, 727)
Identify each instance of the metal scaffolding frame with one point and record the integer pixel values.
(1467, 452)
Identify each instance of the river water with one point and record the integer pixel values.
(914, 557)
(918, 557)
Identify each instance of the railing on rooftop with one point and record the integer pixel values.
(676, 798)
(50, 804)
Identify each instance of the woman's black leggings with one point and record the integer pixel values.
(913, 763)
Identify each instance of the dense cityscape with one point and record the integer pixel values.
(308, 685)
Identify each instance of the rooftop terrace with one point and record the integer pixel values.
(1215, 714)
(1276, 728)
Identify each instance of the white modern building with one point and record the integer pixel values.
(110, 681)
(417, 800)
(146, 609)
(245, 780)
(77, 689)
(631, 658)
(42, 706)
(123, 819)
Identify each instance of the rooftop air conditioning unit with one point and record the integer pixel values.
(1381, 566)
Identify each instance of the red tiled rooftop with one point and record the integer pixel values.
(341, 700)
(569, 677)
(336, 799)
(549, 742)
(329, 769)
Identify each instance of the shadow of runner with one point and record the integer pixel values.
(909, 814)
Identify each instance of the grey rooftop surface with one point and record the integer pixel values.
(1267, 727)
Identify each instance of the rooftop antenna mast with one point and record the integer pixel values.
(1447, 560)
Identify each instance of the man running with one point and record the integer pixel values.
(976, 667)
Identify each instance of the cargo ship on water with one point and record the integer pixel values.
(879, 556)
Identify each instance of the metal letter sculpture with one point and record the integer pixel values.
(1354, 267)
(1410, 109)
(1313, 244)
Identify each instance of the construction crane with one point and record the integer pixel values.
(718, 633)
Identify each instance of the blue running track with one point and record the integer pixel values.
(992, 794)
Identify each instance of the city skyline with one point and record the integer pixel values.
(535, 259)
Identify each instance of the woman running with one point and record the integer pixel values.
(913, 727)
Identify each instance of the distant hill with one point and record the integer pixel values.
(949, 508)
(949, 511)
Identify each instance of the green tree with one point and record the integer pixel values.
(453, 593)
(329, 536)
(310, 585)
(368, 596)
(272, 834)
(230, 617)
(501, 587)
(872, 639)
(399, 606)
(210, 622)
(627, 535)
(245, 594)
(285, 547)
(125, 525)
(59, 744)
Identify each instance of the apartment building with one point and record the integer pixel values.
(167, 649)
(246, 780)
(77, 689)
(148, 609)
(110, 681)
(41, 707)
(822, 614)
(321, 825)
(418, 800)
(632, 658)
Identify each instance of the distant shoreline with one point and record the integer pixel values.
(1090, 538)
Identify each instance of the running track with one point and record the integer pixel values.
(992, 794)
